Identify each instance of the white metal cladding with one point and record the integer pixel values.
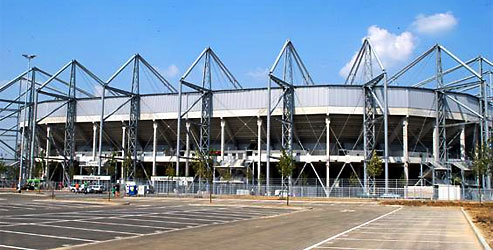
(345, 96)
(47, 107)
(244, 99)
(421, 99)
(167, 103)
(256, 99)
(312, 97)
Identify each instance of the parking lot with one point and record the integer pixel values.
(37, 225)
(407, 228)
(33, 222)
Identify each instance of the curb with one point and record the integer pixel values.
(476, 231)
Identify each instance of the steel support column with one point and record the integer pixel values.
(259, 152)
(444, 175)
(69, 147)
(47, 153)
(154, 147)
(94, 140)
(124, 149)
(187, 148)
(223, 124)
(327, 154)
(405, 149)
(134, 117)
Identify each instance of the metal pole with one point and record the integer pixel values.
(33, 126)
(101, 124)
(259, 151)
(187, 148)
(327, 153)
(405, 149)
(223, 124)
(386, 132)
(94, 140)
(47, 153)
(178, 128)
(154, 147)
(124, 133)
(267, 169)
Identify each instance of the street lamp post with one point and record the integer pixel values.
(29, 57)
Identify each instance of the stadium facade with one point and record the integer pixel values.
(424, 131)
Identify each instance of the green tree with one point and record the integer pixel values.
(285, 167)
(226, 174)
(111, 164)
(170, 172)
(126, 165)
(203, 166)
(353, 180)
(481, 164)
(374, 168)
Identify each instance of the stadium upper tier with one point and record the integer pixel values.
(309, 100)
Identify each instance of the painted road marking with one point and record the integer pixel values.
(14, 247)
(86, 229)
(127, 225)
(352, 229)
(424, 234)
(47, 236)
(357, 248)
(415, 241)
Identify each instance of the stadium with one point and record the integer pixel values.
(423, 122)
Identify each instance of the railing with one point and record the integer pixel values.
(311, 189)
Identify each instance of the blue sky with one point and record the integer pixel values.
(247, 35)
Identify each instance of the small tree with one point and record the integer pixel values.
(353, 180)
(248, 175)
(126, 165)
(204, 167)
(111, 165)
(481, 164)
(374, 168)
(170, 171)
(285, 168)
(226, 174)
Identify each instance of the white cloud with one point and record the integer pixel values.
(391, 48)
(258, 74)
(436, 23)
(171, 71)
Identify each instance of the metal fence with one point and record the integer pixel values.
(344, 188)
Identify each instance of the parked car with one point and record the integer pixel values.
(98, 189)
(31, 184)
(73, 189)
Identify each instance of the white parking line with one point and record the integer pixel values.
(157, 221)
(127, 225)
(352, 229)
(164, 221)
(86, 229)
(208, 216)
(182, 218)
(14, 247)
(410, 241)
(47, 236)
(210, 213)
(410, 229)
(424, 234)
(357, 248)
